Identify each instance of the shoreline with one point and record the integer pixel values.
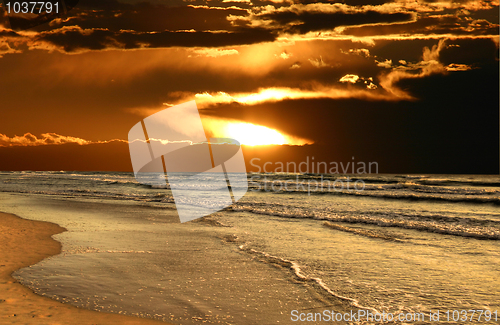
(182, 286)
(25, 243)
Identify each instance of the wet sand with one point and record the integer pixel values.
(25, 243)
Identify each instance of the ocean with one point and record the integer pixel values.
(295, 243)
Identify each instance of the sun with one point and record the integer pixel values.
(249, 134)
(254, 135)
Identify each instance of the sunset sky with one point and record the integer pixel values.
(412, 85)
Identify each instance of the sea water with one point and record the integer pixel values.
(400, 244)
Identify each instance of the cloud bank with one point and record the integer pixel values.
(29, 140)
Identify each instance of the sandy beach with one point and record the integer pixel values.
(26, 243)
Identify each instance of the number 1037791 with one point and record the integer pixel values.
(471, 315)
(32, 7)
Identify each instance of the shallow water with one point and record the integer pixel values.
(116, 260)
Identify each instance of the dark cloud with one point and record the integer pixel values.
(348, 2)
(135, 24)
(437, 24)
(109, 5)
(76, 39)
(305, 22)
(146, 17)
(465, 51)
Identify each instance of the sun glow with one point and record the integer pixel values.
(254, 135)
(249, 134)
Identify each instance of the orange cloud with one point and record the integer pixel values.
(213, 53)
(29, 139)
(458, 67)
(352, 78)
(275, 94)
